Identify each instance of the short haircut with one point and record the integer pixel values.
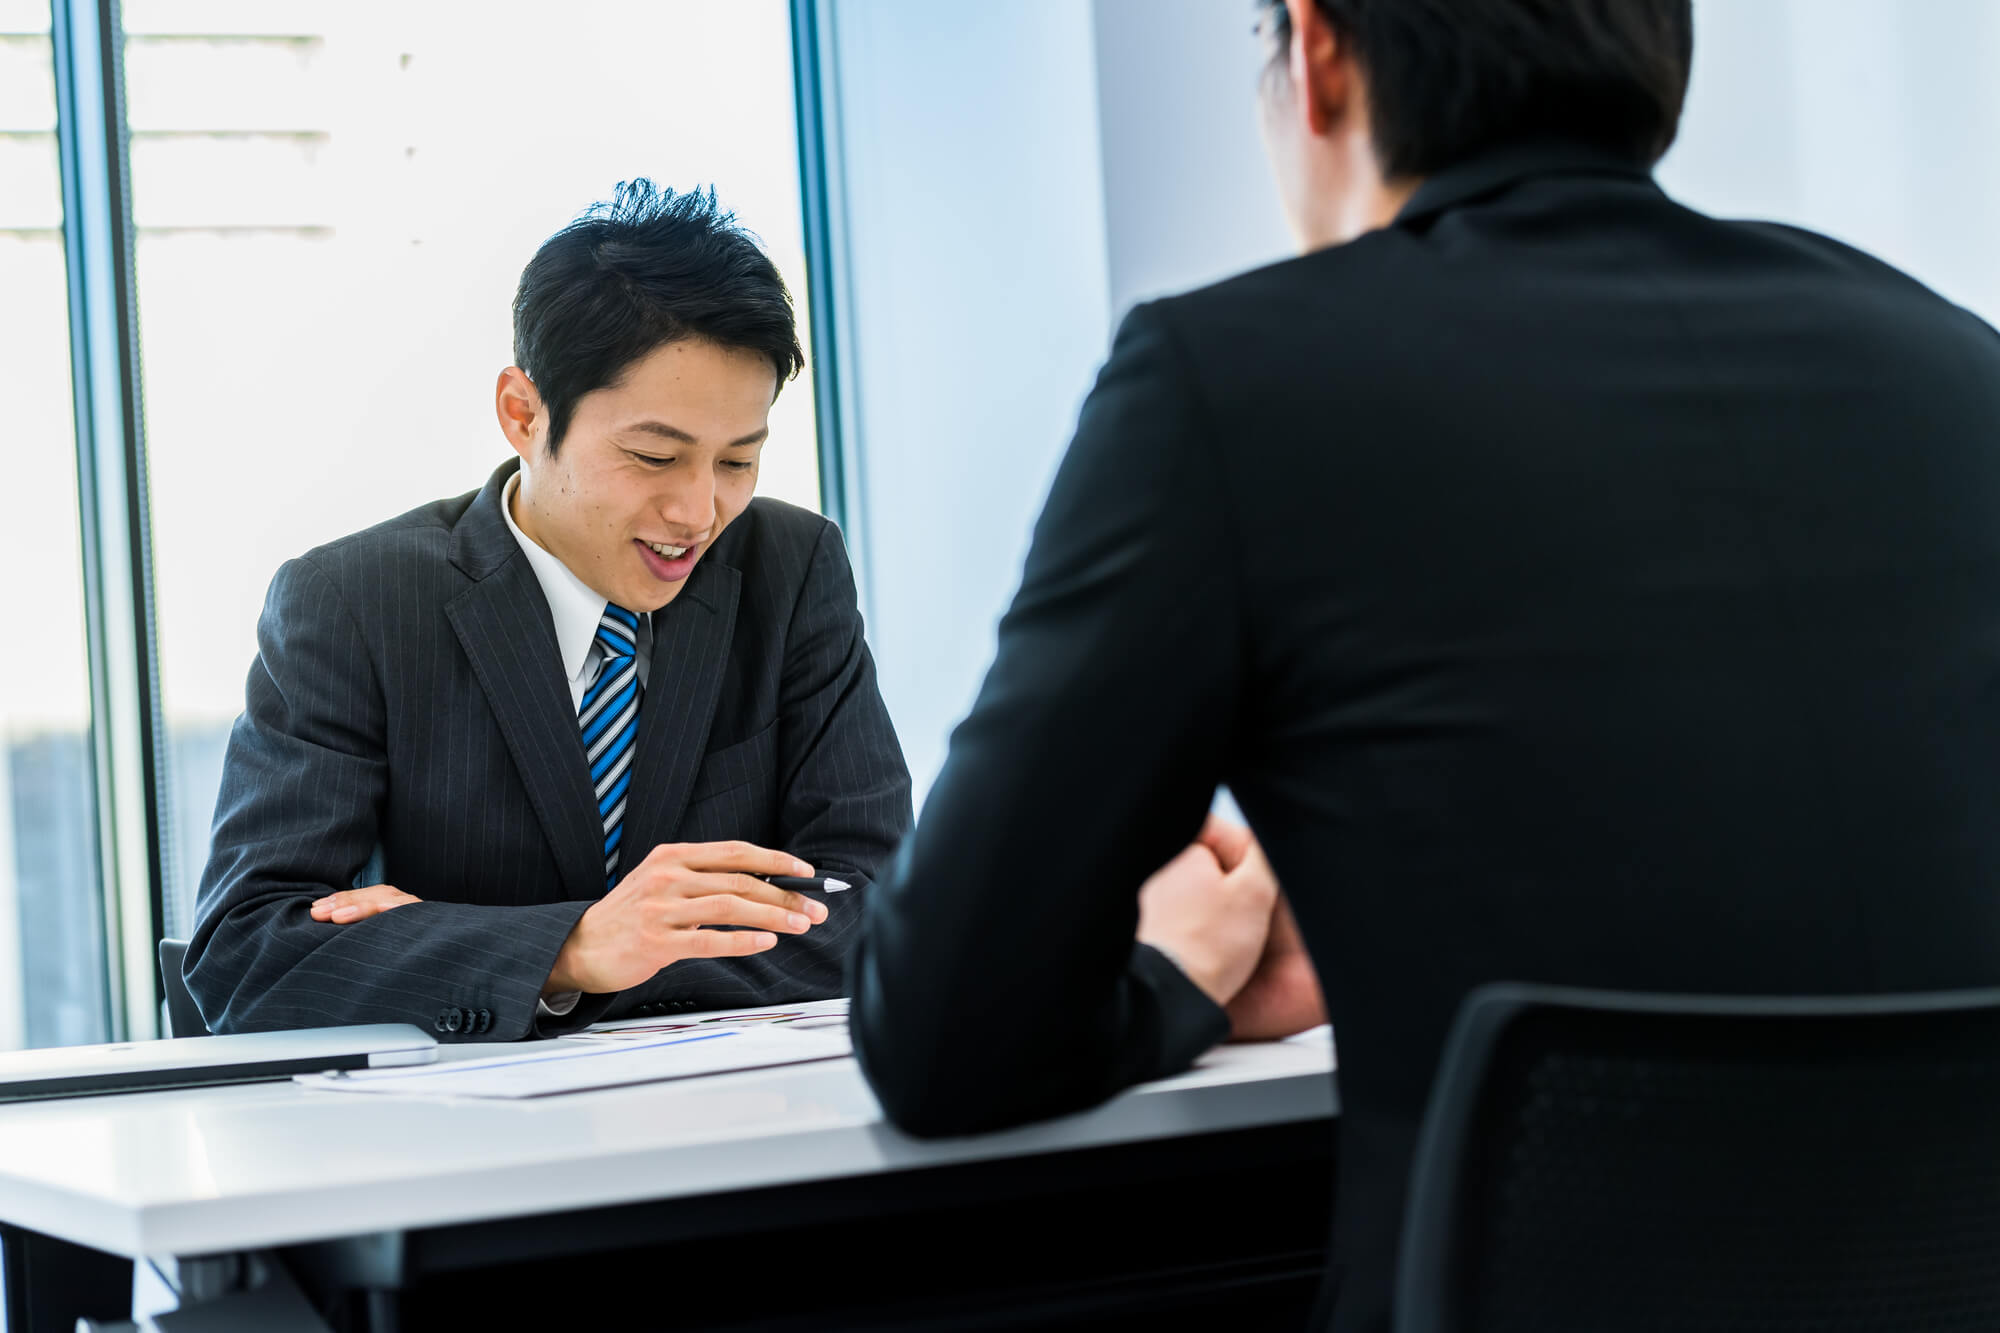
(1450, 78)
(647, 268)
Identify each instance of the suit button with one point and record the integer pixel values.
(454, 1019)
(485, 1019)
(443, 1018)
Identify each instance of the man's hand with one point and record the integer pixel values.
(351, 905)
(1282, 996)
(657, 913)
(1209, 919)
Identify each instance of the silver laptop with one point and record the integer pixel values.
(193, 1062)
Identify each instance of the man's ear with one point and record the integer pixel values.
(518, 404)
(1322, 69)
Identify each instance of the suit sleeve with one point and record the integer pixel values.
(844, 795)
(996, 979)
(303, 785)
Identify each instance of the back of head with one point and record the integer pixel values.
(648, 267)
(1448, 79)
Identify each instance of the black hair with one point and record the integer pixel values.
(648, 267)
(1450, 78)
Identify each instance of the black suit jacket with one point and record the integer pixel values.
(1571, 587)
(408, 699)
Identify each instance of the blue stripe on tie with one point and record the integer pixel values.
(610, 671)
(612, 710)
(610, 756)
(598, 707)
(609, 716)
(609, 721)
(615, 795)
(618, 763)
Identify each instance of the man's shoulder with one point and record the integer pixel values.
(1388, 285)
(1226, 318)
(1865, 271)
(1362, 260)
(771, 530)
(781, 522)
(775, 545)
(420, 534)
(404, 559)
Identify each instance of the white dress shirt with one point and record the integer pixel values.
(576, 611)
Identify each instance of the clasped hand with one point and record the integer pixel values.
(657, 915)
(1218, 912)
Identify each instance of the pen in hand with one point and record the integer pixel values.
(813, 884)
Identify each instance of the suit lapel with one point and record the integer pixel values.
(691, 637)
(503, 622)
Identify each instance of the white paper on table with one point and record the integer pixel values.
(1319, 1036)
(810, 1015)
(562, 1067)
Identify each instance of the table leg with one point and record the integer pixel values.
(51, 1283)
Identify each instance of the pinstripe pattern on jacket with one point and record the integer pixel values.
(408, 698)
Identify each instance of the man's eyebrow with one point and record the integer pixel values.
(679, 436)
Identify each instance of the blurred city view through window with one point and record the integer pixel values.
(52, 982)
(333, 200)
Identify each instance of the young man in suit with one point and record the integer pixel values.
(570, 717)
(1569, 586)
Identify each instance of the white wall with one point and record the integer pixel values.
(1875, 121)
(975, 261)
(1187, 194)
(1015, 176)
(1020, 173)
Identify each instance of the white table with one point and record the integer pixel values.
(229, 1170)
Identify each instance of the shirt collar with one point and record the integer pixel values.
(574, 607)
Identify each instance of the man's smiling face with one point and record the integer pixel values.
(651, 469)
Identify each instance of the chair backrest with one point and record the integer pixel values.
(183, 1015)
(1678, 1164)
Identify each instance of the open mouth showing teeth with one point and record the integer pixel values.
(666, 552)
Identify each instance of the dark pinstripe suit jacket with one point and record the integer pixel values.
(408, 698)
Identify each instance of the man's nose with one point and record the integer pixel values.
(690, 507)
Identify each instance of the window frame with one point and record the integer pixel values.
(128, 748)
(128, 744)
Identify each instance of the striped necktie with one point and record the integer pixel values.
(610, 720)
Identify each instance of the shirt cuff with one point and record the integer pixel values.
(557, 1006)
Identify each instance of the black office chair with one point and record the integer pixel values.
(1597, 1161)
(183, 1016)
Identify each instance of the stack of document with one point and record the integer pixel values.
(811, 1015)
(613, 1057)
